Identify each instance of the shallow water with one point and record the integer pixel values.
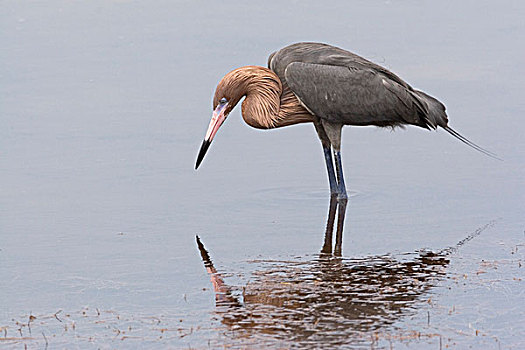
(103, 108)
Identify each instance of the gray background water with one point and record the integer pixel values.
(104, 105)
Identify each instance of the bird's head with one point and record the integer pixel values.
(228, 93)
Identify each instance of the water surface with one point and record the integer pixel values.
(103, 108)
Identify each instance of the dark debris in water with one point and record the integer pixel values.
(92, 326)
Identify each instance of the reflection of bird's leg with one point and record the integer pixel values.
(340, 222)
(327, 246)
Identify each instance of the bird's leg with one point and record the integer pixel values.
(333, 133)
(340, 177)
(327, 149)
(334, 189)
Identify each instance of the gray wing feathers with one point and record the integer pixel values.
(353, 95)
(319, 53)
(360, 92)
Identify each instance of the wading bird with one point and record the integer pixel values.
(329, 87)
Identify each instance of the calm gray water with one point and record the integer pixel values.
(103, 108)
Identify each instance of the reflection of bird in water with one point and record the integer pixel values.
(329, 87)
(328, 299)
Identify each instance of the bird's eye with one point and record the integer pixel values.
(223, 101)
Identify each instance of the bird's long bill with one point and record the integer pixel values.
(216, 121)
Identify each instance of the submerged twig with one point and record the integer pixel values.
(45, 339)
(31, 318)
(56, 315)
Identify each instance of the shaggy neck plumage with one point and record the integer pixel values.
(268, 104)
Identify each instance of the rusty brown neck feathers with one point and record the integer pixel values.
(269, 103)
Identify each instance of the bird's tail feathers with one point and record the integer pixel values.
(434, 114)
(469, 143)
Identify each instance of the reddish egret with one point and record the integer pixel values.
(329, 87)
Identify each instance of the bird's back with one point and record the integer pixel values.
(325, 54)
(341, 86)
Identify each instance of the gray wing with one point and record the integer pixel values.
(355, 95)
(325, 54)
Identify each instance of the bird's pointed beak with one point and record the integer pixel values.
(217, 119)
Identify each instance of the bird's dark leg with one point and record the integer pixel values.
(327, 149)
(333, 132)
(340, 177)
(334, 189)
